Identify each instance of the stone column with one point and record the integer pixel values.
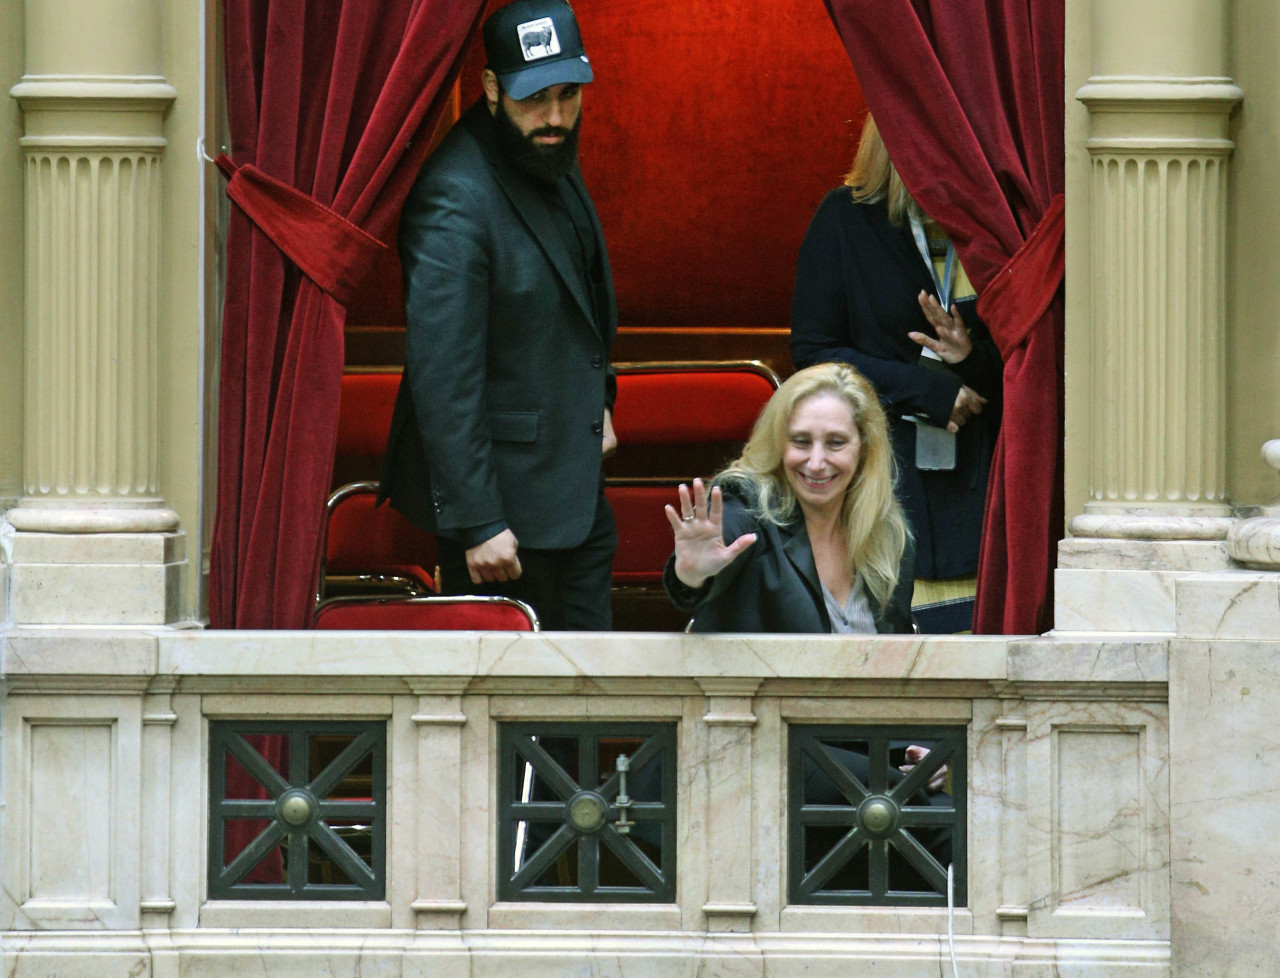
(437, 900)
(1159, 152)
(731, 905)
(95, 542)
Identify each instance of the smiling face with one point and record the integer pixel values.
(822, 454)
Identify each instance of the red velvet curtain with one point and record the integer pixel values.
(331, 107)
(968, 95)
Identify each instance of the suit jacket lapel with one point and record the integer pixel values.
(609, 324)
(800, 554)
(532, 210)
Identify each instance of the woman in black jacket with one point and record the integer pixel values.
(867, 295)
(817, 535)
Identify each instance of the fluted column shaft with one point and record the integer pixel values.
(1159, 151)
(92, 261)
(1158, 247)
(1159, 103)
(94, 105)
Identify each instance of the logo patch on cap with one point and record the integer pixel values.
(538, 39)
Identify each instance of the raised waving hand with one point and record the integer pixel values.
(953, 343)
(701, 552)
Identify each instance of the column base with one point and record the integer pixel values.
(1255, 543)
(83, 516)
(1224, 696)
(1118, 573)
(1113, 601)
(96, 578)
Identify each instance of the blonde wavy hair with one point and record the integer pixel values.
(874, 178)
(875, 526)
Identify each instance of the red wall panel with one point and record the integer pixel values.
(711, 132)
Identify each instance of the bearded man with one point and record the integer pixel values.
(505, 409)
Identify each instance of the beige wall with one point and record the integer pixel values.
(1253, 311)
(1079, 58)
(11, 266)
(181, 373)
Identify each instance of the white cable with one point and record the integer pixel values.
(951, 919)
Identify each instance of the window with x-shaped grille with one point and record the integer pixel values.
(876, 814)
(297, 810)
(567, 832)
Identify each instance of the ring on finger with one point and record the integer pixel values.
(687, 519)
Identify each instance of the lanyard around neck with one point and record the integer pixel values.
(947, 281)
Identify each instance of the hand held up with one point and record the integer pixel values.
(701, 552)
(953, 343)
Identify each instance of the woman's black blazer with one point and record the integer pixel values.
(857, 282)
(772, 586)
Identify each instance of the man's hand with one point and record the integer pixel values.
(495, 559)
(916, 754)
(609, 444)
(968, 403)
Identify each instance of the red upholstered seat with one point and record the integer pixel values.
(683, 403)
(365, 407)
(463, 613)
(367, 541)
(686, 403)
(644, 536)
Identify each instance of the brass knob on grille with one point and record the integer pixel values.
(878, 815)
(296, 807)
(587, 811)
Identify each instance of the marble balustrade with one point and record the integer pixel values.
(104, 827)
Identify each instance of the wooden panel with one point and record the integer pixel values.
(383, 346)
(770, 346)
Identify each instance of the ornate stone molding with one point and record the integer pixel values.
(1255, 542)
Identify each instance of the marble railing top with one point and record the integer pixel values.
(459, 660)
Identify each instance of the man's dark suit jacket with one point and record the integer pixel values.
(772, 586)
(857, 279)
(507, 372)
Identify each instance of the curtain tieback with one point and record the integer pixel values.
(1021, 291)
(330, 250)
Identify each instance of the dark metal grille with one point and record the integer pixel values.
(863, 832)
(297, 810)
(553, 778)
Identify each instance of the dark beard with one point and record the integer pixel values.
(546, 164)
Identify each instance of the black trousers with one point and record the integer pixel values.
(569, 589)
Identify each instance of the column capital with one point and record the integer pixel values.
(1102, 93)
(1159, 116)
(143, 92)
(93, 113)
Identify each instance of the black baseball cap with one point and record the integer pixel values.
(532, 44)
